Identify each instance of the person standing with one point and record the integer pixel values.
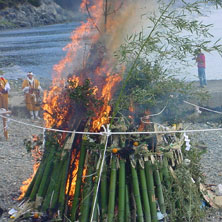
(4, 89)
(31, 87)
(201, 65)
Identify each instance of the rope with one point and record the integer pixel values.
(108, 133)
(50, 129)
(43, 143)
(210, 110)
(118, 133)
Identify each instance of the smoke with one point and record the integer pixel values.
(106, 29)
(129, 19)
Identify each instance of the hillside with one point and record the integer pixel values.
(30, 13)
(14, 3)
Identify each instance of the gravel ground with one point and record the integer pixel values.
(16, 163)
(211, 160)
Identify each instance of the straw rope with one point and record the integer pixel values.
(108, 133)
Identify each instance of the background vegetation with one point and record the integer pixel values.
(154, 59)
(67, 4)
(12, 3)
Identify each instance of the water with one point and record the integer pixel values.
(38, 49)
(33, 49)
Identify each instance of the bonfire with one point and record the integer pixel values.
(99, 165)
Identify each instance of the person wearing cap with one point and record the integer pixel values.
(4, 89)
(31, 87)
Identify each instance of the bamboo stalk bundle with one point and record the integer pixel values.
(132, 183)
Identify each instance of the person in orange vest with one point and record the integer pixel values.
(31, 87)
(4, 89)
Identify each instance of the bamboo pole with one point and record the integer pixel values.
(165, 172)
(45, 179)
(87, 191)
(96, 215)
(98, 178)
(127, 205)
(29, 190)
(54, 200)
(51, 187)
(75, 201)
(112, 190)
(103, 189)
(122, 188)
(151, 191)
(159, 190)
(136, 192)
(47, 156)
(144, 192)
(62, 191)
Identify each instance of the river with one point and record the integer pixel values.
(38, 49)
(33, 49)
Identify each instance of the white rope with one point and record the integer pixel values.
(192, 104)
(50, 129)
(108, 133)
(166, 132)
(210, 110)
(119, 133)
(43, 143)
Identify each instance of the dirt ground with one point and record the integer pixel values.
(16, 164)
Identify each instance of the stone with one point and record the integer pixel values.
(219, 190)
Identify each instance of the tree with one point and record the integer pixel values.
(152, 59)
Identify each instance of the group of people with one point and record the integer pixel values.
(31, 88)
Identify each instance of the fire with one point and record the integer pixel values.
(71, 182)
(96, 33)
(26, 183)
(103, 115)
(36, 154)
(89, 56)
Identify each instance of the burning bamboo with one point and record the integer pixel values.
(126, 169)
(131, 167)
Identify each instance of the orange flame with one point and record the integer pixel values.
(36, 154)
(103, 115)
